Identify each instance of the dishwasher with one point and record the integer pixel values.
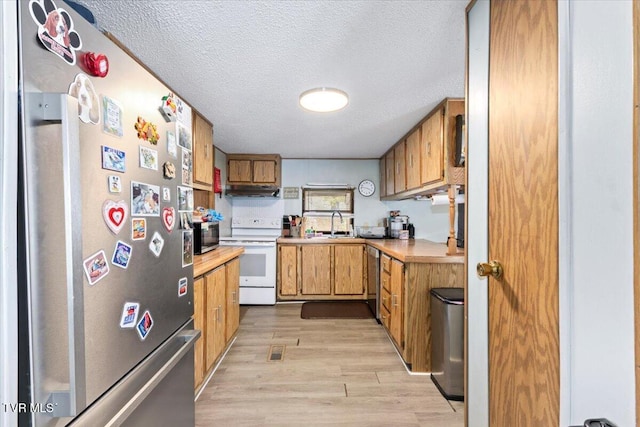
(373, 281)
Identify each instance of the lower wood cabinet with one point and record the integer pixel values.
(405, 310)
(288, 269)
(396, 311)
(316, 269)
(321, 271)
(215, 285)
(198, 323)
(232, 318)
(347, 270)
(216, 313)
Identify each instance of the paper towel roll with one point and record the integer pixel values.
(443, 199)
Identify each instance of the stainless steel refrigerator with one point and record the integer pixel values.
(105, 283)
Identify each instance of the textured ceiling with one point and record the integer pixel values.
(243, 65)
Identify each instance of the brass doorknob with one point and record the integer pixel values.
(492, 268)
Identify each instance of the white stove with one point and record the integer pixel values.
(258, 262)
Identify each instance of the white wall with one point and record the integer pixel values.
(431, 222)
(600, 283)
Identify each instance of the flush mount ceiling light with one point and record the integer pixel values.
(323, 100)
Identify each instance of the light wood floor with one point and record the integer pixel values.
(334, 373)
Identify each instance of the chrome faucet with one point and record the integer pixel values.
(333, 214)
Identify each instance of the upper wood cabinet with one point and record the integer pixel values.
(264, 171)
(203, 153)
(239, 171)
(432, 147)
(399, 173)
(427, 152)
(259, 169)
(413, 159)
(389, 174)
(383, 177)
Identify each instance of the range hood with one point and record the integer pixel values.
(253, 191)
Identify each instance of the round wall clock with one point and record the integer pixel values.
(366, 187)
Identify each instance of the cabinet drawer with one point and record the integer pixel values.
(385, 299)
(385, 316)
(386, 263)
(385, 281)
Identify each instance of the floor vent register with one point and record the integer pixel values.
(276, 353)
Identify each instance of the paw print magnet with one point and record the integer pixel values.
(55, 29)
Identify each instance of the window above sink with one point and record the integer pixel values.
(318, 205)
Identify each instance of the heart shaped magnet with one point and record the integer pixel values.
(115, 214)
(168, 218)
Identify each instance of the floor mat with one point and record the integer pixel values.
(336, 310)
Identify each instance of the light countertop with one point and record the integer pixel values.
(213, 259)
(411, 250)
(417, 250)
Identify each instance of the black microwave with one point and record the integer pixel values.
(206, 236)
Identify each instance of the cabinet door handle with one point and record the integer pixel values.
(233, 297)
(393, 300)
(397, 168)
(411, 160)
(428, 148)
(218, 314)
(289, 271)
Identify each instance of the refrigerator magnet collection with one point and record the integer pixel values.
(106, 155)
(56, 32)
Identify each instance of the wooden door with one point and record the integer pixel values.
(399, 171)
(390, 169)
(432, 148)
(524, 377)
(264, 171)
(413, 159)
(316, 269)
(397, 295)
(288, 270)
(202, 151)
(199, 324)
(239, 171)
(215, 297)
(348, 270)
(232, 313)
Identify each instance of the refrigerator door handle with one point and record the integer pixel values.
(188, 339)
(58, 107)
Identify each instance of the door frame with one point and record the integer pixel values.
(477, 216)
(636, 199)
(8, 204)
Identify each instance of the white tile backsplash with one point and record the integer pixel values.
(264, 207)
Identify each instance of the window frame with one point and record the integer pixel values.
(348, 214)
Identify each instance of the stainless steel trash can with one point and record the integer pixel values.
(447, 341)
